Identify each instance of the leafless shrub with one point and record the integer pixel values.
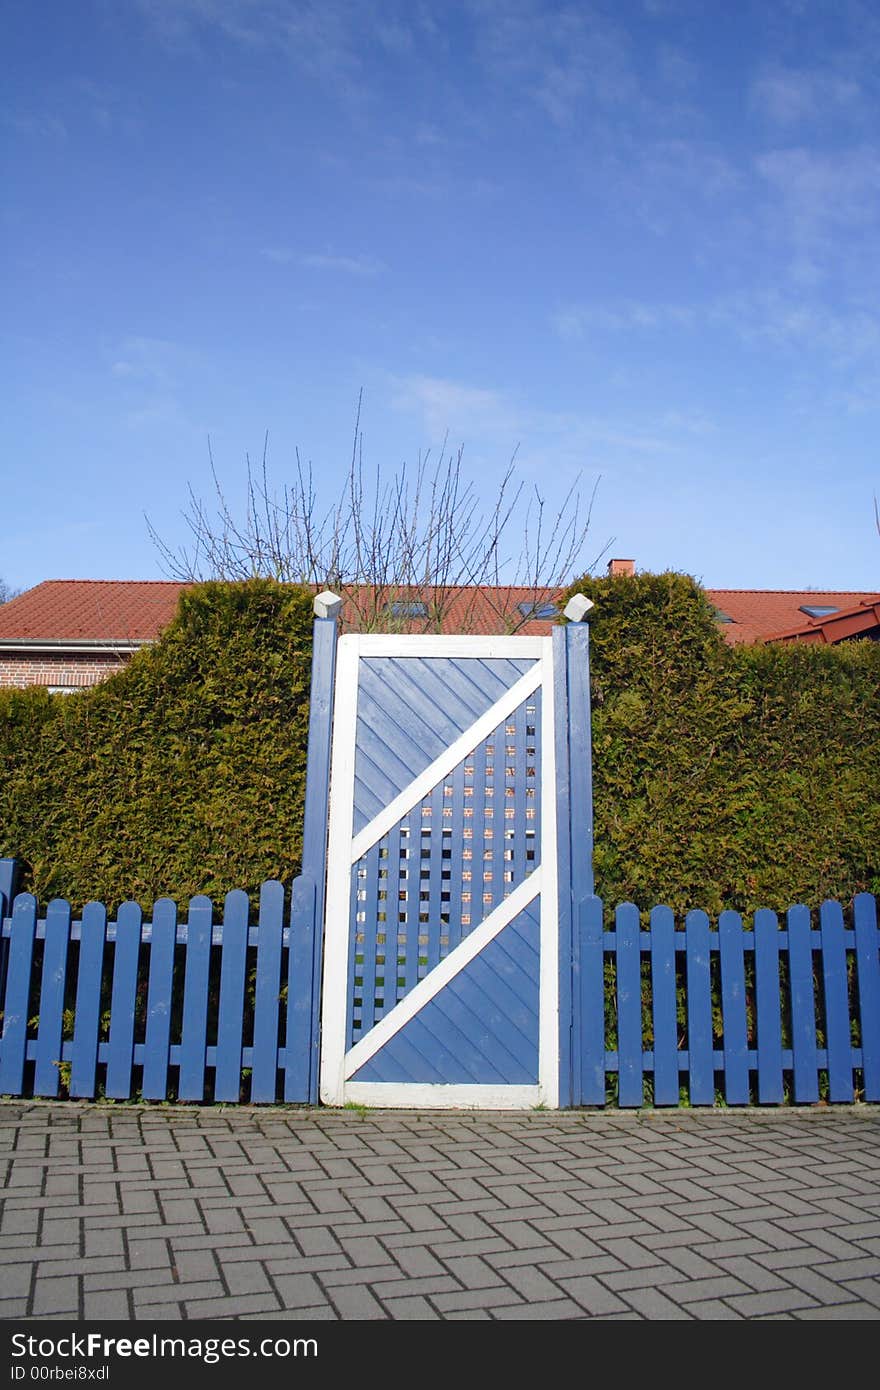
(420, 535)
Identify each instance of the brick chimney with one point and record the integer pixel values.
(619, 567)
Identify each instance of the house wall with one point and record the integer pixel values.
(63, 672)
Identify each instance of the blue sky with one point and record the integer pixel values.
(634, 241)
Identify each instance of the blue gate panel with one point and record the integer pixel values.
(444, 867)
(482, 1027)
(409, 711)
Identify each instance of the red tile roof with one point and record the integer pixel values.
(858, 621)
(108, 611)
(765, 614)
(91, 610)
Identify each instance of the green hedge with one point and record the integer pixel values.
(738, 777)
(184, 773)
(723, 777)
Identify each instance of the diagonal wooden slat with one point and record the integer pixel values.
(441, 766)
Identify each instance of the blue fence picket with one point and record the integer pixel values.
(160, 1000)
(10, 871)
(47, 1074)
(193, 1039)
(264, 1069)
(13, 1048)
(120, 1044)
(836, 994)
(803, 1004)
(230, 1019)
(300, 1002)
(767, 1008)
(701, 1071)
(664, 1007)
(589, 1001)
(87, 1022)
(9, 875)
(630, 1064)
(628, 945)
(733, 1008)
(868, 976)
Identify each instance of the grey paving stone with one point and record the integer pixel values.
(55, 1295)
(477, 1298)
(357, 1303)
(13, 1307)
(866, 1289)
(106, 1304)
(625, 1279)
(532, 1283)
(655, 1304)
(364, 1251)
(190, 1265)
(581, 1215)
(234, 1306)
(714, 1310)
(245, 1277)
(841, 1311)
(417, 1261)
(551, 1310)
(15, 1279)
(299, 1290)
(771, 1302)
(146, 1254)
(628, 1252)
(176, 1293)
(410, 1308)
(473, 1272)
(592, 1296)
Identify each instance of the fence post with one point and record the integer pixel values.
(314, 853)
(10, 872)
(574, 773)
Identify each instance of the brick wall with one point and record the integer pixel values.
(65, 671)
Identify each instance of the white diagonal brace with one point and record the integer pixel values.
(448, 968)
(444, 764)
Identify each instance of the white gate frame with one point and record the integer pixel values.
(344, 849)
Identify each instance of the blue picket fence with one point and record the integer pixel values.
(760, 1014)
(162, 1009)
(226, 1011)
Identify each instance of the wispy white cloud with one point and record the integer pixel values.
(789, 96)
(150, 361)
(799, 334)
(562, 57)
(38, 125)
(454, 407)
(347, 265)
(328, 260)
(492, 424)
(823, 189)
(576, 321)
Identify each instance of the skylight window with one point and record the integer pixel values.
(408, 608)
(818, 610)
(722, 617)
(538, 610)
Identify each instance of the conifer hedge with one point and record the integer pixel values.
(183, 773)
(727, 777)
(723, 777)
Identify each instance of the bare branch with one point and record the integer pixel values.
(420, 535)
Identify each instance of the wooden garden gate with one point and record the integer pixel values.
(459, 777)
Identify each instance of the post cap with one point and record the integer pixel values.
(578, 607)
(327, 604)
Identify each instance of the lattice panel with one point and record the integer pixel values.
(443, 868)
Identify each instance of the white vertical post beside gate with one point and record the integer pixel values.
(442, 929)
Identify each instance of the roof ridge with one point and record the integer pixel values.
(112, 581)
(816, 593)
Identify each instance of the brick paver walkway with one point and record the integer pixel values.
(170, 1212)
